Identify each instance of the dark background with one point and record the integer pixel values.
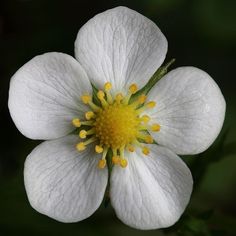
(201, 33)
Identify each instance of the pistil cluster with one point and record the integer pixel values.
(116, 124)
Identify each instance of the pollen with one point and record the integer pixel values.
(86, 99)
(107, 86)
(98, 149)
(116, 125)
(151, 104)
(89, 115)
(83, 134)
(142, 99)
(133, 88)
(123, 163)
(145, 150)
(145, 118)
(155, 127)
(76, 122)
(80, 146)
(116, 160)
(101, 163)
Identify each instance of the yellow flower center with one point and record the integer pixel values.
(116, 124)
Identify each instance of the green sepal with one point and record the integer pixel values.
(153, 80)
(95, 98)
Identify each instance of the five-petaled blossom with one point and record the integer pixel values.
(51, 96)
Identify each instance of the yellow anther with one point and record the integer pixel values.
(89, 115)
(148, 139)
(76, 122)
(145, 150)
(119, 97)
(80, 146)
(98, 149)
(133, 88)
(155, 127)
(107, 86)
(102, 163)
(131, 148)
(100, 95)
(151, 104)
(123, 163)
(83, 133)
(86, 99)
(142, 99)
(145, 118)
(116, 160)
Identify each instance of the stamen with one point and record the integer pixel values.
(89, 115)
(80, 146)
(123, 163)
(145, 118)
(145, 150)
(122, 151)
(101, 96)
(102, 163)
(107, 88)
(86, 98)
(98, 149)
(91, 140)
(114, 151)
(142, 127)
(116, 160)
(155, 127)
(133, 88)
(94, 106)
(119, 97)
(141, 99)
(151, 104)
(83, 134)
(146, 138)
(76, 122)
(104, 152)
(131, 148)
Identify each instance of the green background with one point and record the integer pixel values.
(200, 33)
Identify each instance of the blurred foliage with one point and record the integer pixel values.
(200, 33)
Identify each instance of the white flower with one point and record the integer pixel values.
(118, 51)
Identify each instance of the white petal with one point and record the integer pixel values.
(45, 95)
(190, 109)
(63, 183)
(120, 46)
(152, 191)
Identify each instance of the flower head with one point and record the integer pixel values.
(52, 95)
